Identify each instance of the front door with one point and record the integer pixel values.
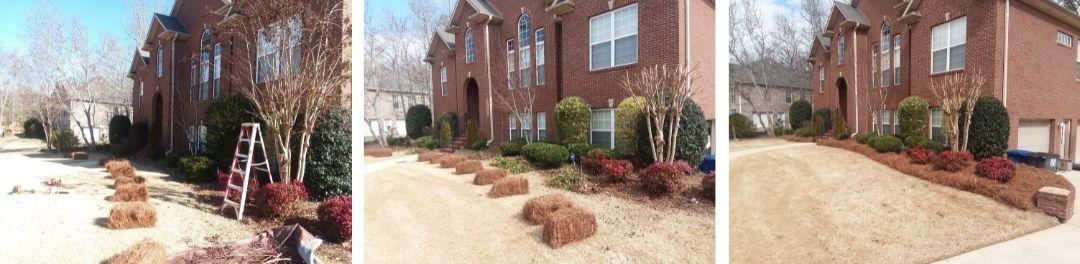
(472, 101)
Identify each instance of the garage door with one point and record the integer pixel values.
(1034, 136)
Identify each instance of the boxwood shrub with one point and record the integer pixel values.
(120, 136)
(197, 168)
(863, 138)
(799, 112)
(417, 119)
(64, 139)
(741, 127)
(512, 148)
(545, 154)
(572, 116)
(428, 142)
(886, 143)
(329, 163)
(918, 141)
(804, 132)
(989, 135)
(914, 114)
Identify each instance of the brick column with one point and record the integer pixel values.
(1055, 201)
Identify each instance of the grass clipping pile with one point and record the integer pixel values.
(132, 215)
(489, 176)
(468, 167)
(513, 185)
(1019, 192)
(145, 252)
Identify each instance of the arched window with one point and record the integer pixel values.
(840, 49)
(204, 65)
(886, 60)
(159, 62)
(217, 70)
(470, 48)
(525, 60)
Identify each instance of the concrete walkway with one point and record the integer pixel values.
(1059, 244)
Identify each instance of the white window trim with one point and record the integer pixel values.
(217, 70)
(613, 37)
(841, 49)
(159, 62)
(540, 49)
(513, 125)
(931, 125)
(821, 77)
(541, 126)
(612, 130)
(470, 47)
(510, 64)
(948, 45)
(442, 79)
(1066, 41)
(896, 39)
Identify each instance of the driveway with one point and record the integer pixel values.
(805, 203)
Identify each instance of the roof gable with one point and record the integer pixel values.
(439, 37)
(481, 7)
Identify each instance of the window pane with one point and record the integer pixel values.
(601, 119)
(939, 37)
(957, 57)
(938, 61)
(540, 75)
(600, 29)
(626, 50)
(626, 22)
(601, 139)
(601, 55)
(959, 31)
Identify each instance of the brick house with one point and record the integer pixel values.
(563, 48)
(1027, 49)
(765, 111)
(182, 66)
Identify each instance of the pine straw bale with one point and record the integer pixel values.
(120, 169)
(111, 163)
(488, 176)
(130, 192)
(79, 155)
(145, 252)
(426, 156)
(378, 152)
(132, 215)
(437, 157)
(568, 225)
(537, 209)
(468, 167)
(126, 180)
(512, 185)
(451, 161)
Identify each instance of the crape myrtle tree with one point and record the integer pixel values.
(665, 91)
(953, 91)
(297, 65)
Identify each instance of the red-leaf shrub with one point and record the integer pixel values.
(996, 168)
(280, 199)
(952, 161)
(708, 185)
(336, 215)
(665, 177)
(593, 162)
(920, 155)
(616, 170)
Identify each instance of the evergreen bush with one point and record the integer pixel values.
(329, 161)
(417, 119)
(572, 116)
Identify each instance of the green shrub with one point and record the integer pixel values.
(64, 139)
(781, 131)
(863, 138)
(472, 132)
(804, 132)
(572, 116)
(989, 128)
(914, 116)
(445, 133)
(798, 113)
(840, 131)
(329, 161)
(511, 165)
(917, 141)
(416, 120)
(223, 118)
(480, 144)
(545, 154)
(626, 118)
(451, 119)
(579, 149)
(140, 135)
(197, 168)
(819, 125)
(119, 130)
(568, 178)
(172, 159)
(397, 141)
(32, 128)
(826, 116)
(692, 138)
(886, 143)
(741, 127)
(512, 148)
(428, 142)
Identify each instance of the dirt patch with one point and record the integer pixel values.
(814, 204)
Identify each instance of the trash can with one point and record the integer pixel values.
(1018, 155)
(708, 164)
(1048, 161)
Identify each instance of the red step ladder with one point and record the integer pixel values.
(242, 164)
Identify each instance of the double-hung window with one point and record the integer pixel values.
(217, 70)
(442, 80)
(821, 76)
(470, 49)
(264, 57)
(526, 126)
(886, 121)
(948, 46)
(540, 75)
(896, 60)
(602, 128)
(613, 38)
(277, 51)
(936, 132)
(525, 56)
(510, 64)
(541, 126)
(513, 125)
(204, 63)
(202, 139)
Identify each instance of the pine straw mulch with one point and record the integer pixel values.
(1019, 192)
(330, 251)
(689, 199)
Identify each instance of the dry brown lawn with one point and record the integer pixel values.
(814, 204)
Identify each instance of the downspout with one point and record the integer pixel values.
(855, 48)
(686, 38)
(172, 92)
(1005, 67)
(487, 54)
(558, 59)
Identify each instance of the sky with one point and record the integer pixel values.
(98, 16)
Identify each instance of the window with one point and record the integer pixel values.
(1078, 63)
(874, 65)
(602, 127)
(204, 60)
(788, 97)
(886, 62)
(510, 64)
(217, 70)
(948, 46)
(886, 121)
(936, 133)
(192, 92)
(142, 89)
(272, 63)
(896, 60)
(526, 126)
(540, 76)
(541, 126)
(513, 125)
(613, 38)
(841, 48)
(1064, 39)
(470, 51)
(159, 62)
(442, 79)
(396, 99)
(525, 59)
(821, 76)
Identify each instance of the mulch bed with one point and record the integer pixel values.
(689, 199)
(1018, 192)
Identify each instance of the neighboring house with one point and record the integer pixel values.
(392, 104)
(178, 70)
(563, 48)
(748, 99)
(1027, 49)
(102, 114)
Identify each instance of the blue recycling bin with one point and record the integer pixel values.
(708, 164)
(1018, 155)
